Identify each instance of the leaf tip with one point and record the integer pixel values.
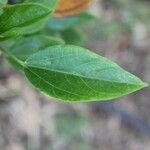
(143, 85)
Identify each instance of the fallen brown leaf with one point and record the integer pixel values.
(71, 7)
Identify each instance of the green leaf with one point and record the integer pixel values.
(64, 23)
(26, 46)
(75, 74)
(73, 36)
(49, 3)
(23, 19)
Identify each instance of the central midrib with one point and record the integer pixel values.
(82, 76)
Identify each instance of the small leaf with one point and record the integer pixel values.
(23, 19)
(73, 36)
(27, 46)
(64, 23)
(75, 74)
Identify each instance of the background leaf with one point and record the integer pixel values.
(48, 3)
(76, 74)
(27, 46)
(24, 47)
(64, 23)
(73, 36)
(23, 19)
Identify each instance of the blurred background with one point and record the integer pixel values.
(31, 121)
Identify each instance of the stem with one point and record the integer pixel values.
(8, 55)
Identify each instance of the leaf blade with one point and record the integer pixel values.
(48, 3)
(23, 47)
(57, 75)
(20, 16)
(73, 36)
(27, 46)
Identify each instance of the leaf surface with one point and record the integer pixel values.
(75, 74)
(27, 46)
(24, 47)
(23, 19)
(48, 3)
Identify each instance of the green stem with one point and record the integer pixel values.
(8, 55)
